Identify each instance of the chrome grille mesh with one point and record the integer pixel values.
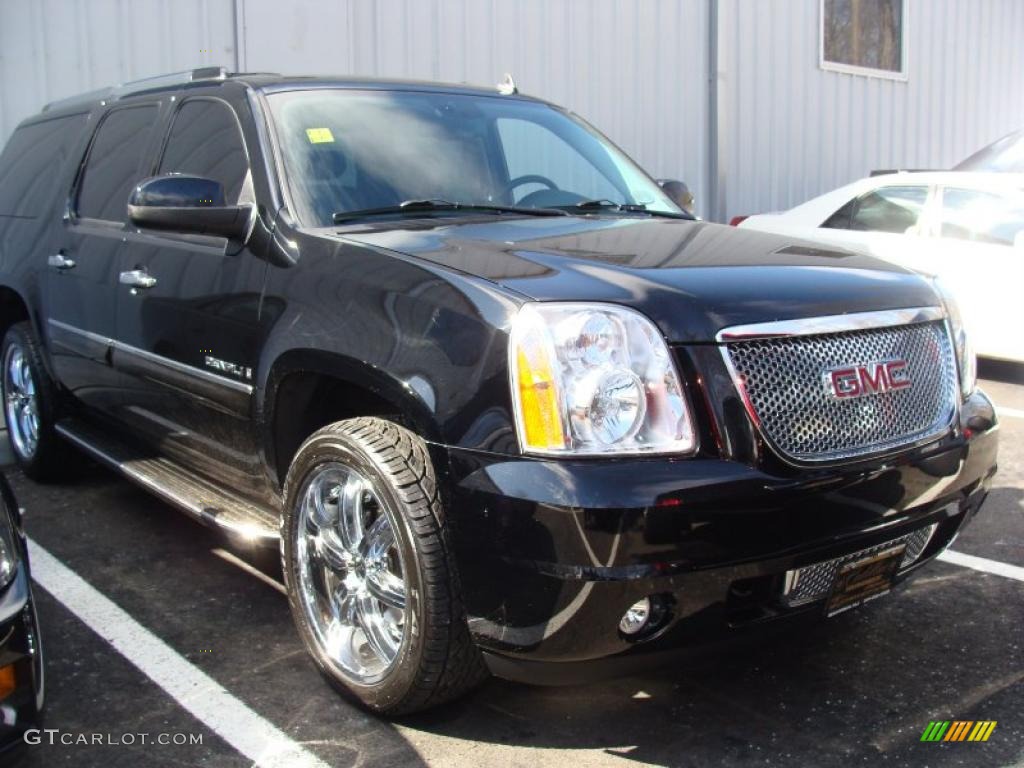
(814, 582)
(786, 391)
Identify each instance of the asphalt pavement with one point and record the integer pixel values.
(163, 628)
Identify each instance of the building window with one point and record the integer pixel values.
(865, 37)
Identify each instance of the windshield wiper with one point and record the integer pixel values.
(596, 205)
(428, 206)
(608, 205)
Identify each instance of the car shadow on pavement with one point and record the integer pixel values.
(1001, 370)
(162, 568)
(862, 685)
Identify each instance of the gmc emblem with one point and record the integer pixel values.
(867, 379)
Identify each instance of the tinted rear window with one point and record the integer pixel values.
(113, 165)
(31, 164)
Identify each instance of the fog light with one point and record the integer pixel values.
(7, 681)
(637, 617)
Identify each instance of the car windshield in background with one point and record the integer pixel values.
(349, 151)
(1005, 155)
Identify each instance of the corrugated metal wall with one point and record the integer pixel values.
(637, 69)
(790, 130)
(50, 49)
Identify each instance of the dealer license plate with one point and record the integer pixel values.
(863, 580)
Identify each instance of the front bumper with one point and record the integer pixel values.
(552, 553)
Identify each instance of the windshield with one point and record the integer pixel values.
(1005, 155)
(348, 150)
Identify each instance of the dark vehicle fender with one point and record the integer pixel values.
(394, 337)
(20, 304)
(347, 371)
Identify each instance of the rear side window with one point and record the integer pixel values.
(889, 209)
(31, 164)
(982, 217)
(112, 167)
(205, 141)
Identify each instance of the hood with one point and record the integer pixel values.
(690, 277)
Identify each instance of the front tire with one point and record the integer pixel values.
(30, 406)
(368, 566)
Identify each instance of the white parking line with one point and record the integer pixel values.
(983, 564)
(255, 738)
(1014, 412)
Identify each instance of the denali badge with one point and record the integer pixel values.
(867, 379)
(224, 366)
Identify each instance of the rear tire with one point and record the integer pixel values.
(369, 571)
(30, 406)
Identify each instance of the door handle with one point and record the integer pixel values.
(137, 278)
(60, 261)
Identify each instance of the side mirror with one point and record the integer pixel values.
(679, 193)
(187, 204)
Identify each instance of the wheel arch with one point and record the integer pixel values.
(307, 389)
(13, 308)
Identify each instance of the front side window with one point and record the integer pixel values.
(864, 36)
(113, 164)
(205, 141)
(346, 150)
(889, 209)
(983, 217)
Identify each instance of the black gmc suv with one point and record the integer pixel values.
(503, 403)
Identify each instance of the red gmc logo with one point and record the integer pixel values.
(867, 379)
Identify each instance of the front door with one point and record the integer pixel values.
(189, 315)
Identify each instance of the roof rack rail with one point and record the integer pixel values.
(143, 84)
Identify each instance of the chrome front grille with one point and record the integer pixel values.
(784, 382)
(814, 582)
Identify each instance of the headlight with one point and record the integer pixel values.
(966, 360)
(8, 549)
(591, 379)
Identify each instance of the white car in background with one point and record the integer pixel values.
(965, 228)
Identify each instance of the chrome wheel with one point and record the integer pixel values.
(21, 405)
(350, 573)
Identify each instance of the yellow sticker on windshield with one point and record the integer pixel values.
(319, 135)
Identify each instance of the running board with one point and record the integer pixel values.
(174, 484)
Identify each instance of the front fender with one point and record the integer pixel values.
(428, 339)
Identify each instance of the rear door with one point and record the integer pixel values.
(35, 170)
(189, 344)
(81, 274)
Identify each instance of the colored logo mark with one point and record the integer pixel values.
(958, 730)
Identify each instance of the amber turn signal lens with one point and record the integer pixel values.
(538, 399)
(7, 681)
